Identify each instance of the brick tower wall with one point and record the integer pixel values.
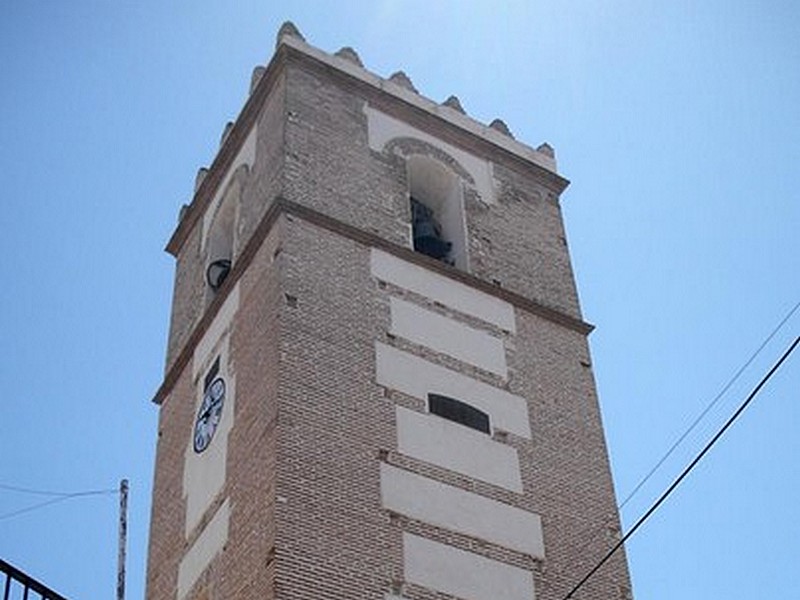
(329, 476)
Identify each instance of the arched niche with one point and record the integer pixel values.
(440, 190)
(220, 242)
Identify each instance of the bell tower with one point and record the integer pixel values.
(377, 382)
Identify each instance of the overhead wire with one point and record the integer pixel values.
(26, 490)
(686, 471)
(697, 420)
(55, 497)
(708, 408)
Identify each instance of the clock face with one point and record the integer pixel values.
(209, 415)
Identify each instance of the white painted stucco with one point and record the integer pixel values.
(425, 104)
(463, 574)
(417, 377)
(206, 546)
(461, 511)
(246, 156)
(448, 336)
(442, 289)
(204, 474)
(458, 448)
(381, 129)
(221, 324)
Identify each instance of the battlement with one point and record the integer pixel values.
(398, 86)
(320, 132)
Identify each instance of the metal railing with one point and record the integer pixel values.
(19, 586)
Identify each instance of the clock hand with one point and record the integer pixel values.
(207, 412)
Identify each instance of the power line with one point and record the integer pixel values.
(686, 471)
(14, 488)
(58, 497)
(706, 410)
(696, 422)
(26, 490)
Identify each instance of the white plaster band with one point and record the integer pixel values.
(464, 512)
(439, 288)
(381, 129)
(463, 574)
(448, 336)
(246, 156)
(205, 548)
(204, 474)
(418, 377)
(221, 323)
(458, 448)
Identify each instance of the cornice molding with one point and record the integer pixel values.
(228, 151)
(387, 96)
(441, 111)
(282, 206)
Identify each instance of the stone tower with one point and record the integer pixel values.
(378, 383)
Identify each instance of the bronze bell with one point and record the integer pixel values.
(427, 232)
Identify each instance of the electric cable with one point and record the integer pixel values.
(697, 421)
(57, 497)
(706, 410)
(26, 490)
(686, 471)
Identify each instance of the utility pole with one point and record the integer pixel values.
(123, 536)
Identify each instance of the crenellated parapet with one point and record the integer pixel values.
(399, 83)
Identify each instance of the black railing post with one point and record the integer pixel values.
(27, 582)
(7, 587)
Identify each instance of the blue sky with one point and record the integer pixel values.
(677, 123)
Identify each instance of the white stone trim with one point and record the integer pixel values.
(204, 474)
(452, 508)
(418, 377)
(219, 326)
(463, 574)
(439, 288)
(381, 129)
(245, 156)
(457, 448)
(448, 336)
(445, 113)
(208, 544)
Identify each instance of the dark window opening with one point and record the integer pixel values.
(211, 375)
(427, 232)
(460, 412)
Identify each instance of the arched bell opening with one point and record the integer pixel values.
(437, 211)
(221, 238)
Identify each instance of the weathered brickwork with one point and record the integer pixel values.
(260, 185)
(521, 243)
(245, 568)
(330, 166)
(266, 179)
(327, 344)
(333, 422)
(311, 426)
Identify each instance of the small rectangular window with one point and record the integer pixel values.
(460, 412)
